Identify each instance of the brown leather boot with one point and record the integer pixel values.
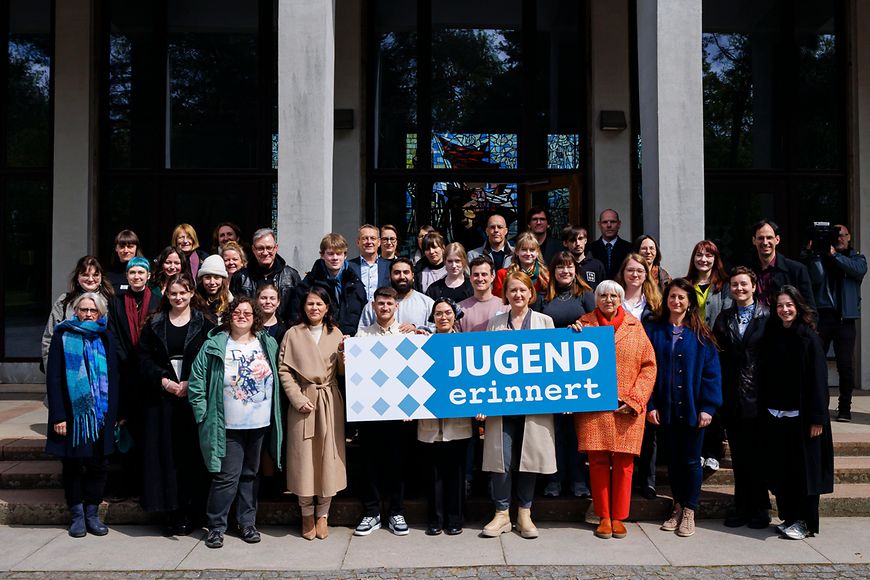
(308, 529)
(619, 530)
(321, 529)
(604, 529)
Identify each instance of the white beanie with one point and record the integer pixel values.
(214, 265)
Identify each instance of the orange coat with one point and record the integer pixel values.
(635, 378)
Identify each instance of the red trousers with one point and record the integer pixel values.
(611, 489)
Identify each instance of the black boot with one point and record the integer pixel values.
(77, 525)
(92, 521)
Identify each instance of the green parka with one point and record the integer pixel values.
(206, 396)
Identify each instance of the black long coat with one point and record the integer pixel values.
(173, 469)
(60, 409)
(738, 357)
(793, 358)
(130, 404)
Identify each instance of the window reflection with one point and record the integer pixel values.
(29, 72)
(213, 89)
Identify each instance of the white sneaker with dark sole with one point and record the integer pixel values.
(368, 525)
(398, 525)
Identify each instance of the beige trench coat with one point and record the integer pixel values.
(539, 447)
(315, 440)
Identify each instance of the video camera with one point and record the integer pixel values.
(823, 235)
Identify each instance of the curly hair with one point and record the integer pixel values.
(256, 327)
(693, 319)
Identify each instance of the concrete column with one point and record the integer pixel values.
(859, 121)
(306, 69)
(347, 178)
(672, 125)
(74, 139)
(610, 90)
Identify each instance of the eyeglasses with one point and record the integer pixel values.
(88, 310)
(390, 240)
(240, 314)
(446, 314)
(263, 249)
(90, 276)
(609, 298)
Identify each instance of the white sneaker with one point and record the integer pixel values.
(398, 525)
(367, 525)
(712, 464)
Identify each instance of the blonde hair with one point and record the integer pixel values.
(650, 287)
(187, 229)
(528, 240)
(525, 279)
(457, 249)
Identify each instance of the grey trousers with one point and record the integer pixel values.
(500, 483)
(236, 479)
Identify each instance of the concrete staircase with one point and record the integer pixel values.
(31, 490)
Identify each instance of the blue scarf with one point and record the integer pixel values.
(87, 377)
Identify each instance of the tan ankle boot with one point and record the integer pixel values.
(525, 526)
(321, 529)
(500, 524)
(308, 527)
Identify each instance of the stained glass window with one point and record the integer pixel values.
(474, 151)
(459, 208)
(410, 151)
(563, 151)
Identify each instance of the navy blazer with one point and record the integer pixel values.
(621, 249)
(697, 373)
(355, 264)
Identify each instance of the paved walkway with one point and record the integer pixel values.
(139, 548)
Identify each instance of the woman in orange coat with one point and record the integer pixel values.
(612, 438)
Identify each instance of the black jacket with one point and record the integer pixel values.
(128, 357)
(786, 271)
(841, 274)
(171, 459)
(739, 359)
(793, 359)
(348, 304)
(246, 281)
(621, 249)
(591, 270)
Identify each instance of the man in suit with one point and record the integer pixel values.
(610, 249)
(373, 270)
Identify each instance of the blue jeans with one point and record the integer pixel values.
(685, 473)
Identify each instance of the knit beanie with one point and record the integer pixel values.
(214, 265)
(140, 262)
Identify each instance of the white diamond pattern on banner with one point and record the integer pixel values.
(396, 365)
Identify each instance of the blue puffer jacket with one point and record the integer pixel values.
(696, 376)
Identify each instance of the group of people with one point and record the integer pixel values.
(211, 372)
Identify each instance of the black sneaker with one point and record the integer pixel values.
(215, 539)
(844, 416)
(367, 525)
(249, 534)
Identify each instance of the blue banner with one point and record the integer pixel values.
(520, 372)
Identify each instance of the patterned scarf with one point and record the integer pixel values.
(87, 377)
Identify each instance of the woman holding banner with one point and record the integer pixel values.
(521, 443)
(444, 443)
(613, 438)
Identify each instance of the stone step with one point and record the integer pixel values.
(32, 474)
(847, 469)
(23, 449)
(47, 506)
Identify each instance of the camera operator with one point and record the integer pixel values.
(836, 271)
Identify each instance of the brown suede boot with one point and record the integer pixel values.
(321, 529)
(604, 529)
(619, 530)
(308, 528)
